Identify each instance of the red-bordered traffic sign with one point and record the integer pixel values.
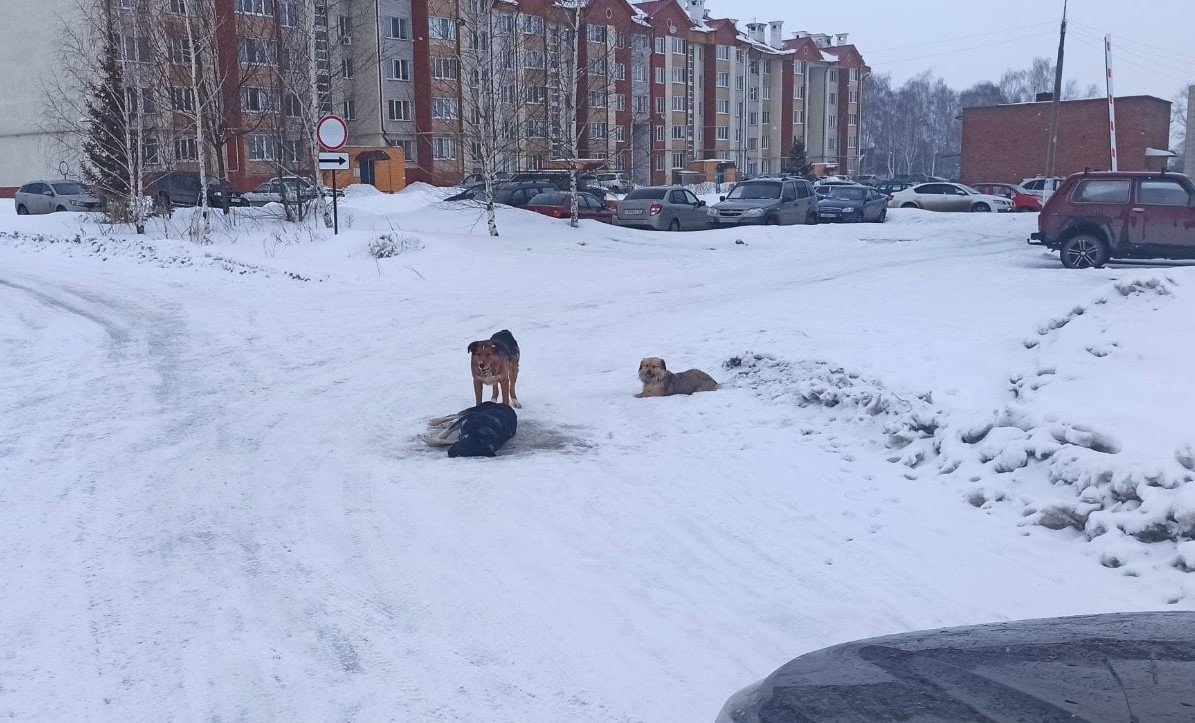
(332, 133)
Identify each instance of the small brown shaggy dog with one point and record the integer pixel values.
(496, 361)
(659, 382)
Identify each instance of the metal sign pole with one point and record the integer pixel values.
(335, 208)
(1111, 101)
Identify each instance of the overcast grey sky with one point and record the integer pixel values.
(965, 42)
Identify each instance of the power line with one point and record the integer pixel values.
(1151, 48)
(961, 37)
(963, 50)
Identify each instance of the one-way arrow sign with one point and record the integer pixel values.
(333, 161)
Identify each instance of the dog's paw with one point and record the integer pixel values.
(515, 404)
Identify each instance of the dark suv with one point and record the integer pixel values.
(181, 188)
(1095, 217)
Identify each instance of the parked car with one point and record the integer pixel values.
(511, 193)
(614, 182)
(852, 204)
(891, 187)
(771, 201)
(181, 188)
(37, 197)
(559, 204)
(671, 208)
(562, 181)
(1022, 199)
(948, 197)
(1095, 217)
(291, 188)
(1120, 666)
(822, 187)
(1041, 186)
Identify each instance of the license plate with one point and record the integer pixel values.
(632, 212)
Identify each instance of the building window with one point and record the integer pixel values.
(443, 149)
(441, 29)
(398, 110)
(853, 96)
(642, 104)
(291, 151)
(177, 7)
(659, 163)
(533, 25)
(620, 134)
(798, 117)
(533, 59)
(854, 74)
(832, 121)
(678, 133)
(597, 130)
(288, 14)
(263, 147)
(661, 45)
(723, 52)
(852, 119)
(833, 99)
(349, 108)
(660, 133)
(752, 144)
(444, 108)
(534, 94)
(799, 67)
(597, 99)
(597, 33)
(766, 117)
(620, 102)
(753, 67)
(149, 150)
(135, 49)
(767, 67)
(178, 50)
(258, 100)
(679, 102)
(680, 46)
(639, 73)
(597, 66)
(833, 144)
(832, 76)
(851, 142)
(678, 160)
(186, 149)
(661, 76)
(292, 106)
(764, 142)
(724, 107)
(679, 75)
(444, 68)
(799, 92)
(753, 93)
(620, 71)
(255, 51)
(344, 29)
(346, 68)
(660, 105)
(400, 29)
(408, 150)
(767, 92)
(504, 23)
(723, 80)
(182, 100)
(722, 133)
(400, 69)
(255, 7)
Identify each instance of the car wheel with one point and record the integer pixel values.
(981, 208)
(811, 219)
(883, 215)
(22, 211)
(60, 209)
(1084, 251)
(772, 221)
(675, 225)
(909, 204)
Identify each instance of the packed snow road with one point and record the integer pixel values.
(214, 504)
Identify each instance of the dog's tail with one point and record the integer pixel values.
(506, 339)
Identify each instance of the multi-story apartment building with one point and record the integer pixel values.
(656, 88)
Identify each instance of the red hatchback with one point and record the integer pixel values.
(1095, 217)
(559, 204)
(1021, 199)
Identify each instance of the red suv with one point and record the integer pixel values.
(1095, 217)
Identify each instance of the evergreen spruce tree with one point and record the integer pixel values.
(798, 161)
(107, 165)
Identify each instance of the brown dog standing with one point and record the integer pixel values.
(659, 382)
(496, 361)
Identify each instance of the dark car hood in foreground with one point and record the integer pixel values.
(1120, 667)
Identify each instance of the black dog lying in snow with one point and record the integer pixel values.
(475, 432)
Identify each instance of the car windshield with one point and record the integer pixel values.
(969, 190)
(847, 193)
(651, 194)
(753, 191)
(69, 188)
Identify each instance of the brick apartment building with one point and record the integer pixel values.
(1007, 143)
(662, 89)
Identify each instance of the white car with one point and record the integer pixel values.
(1042, 187)
(949, 197)
(614, 182)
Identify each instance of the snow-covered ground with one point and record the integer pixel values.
(213, 504)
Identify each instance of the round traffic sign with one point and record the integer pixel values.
(332, 133)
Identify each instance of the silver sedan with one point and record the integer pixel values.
(663, 208)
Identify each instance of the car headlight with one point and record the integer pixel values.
(76, 202)
(711, 211)
(753, 212)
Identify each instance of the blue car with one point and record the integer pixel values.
(852, 204)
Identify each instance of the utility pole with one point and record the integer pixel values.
(1052, 149)
(1111, 102)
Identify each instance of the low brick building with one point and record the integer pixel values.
(1007, 143)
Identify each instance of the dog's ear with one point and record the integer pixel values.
(663, 366)
(473, 347)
